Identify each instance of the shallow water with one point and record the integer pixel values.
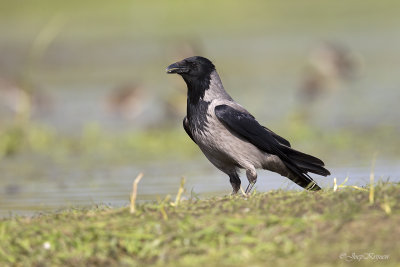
(57, 187)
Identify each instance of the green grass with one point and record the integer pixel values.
(275, 228)
(93, 143)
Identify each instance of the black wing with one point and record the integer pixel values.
(187, 129)
(278, 138)
(246, 126)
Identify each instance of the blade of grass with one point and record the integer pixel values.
(386, 206)
(134, 192)
(180, 192)
(163, 213)
(371, 182)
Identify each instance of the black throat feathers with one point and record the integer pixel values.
(197, 87)
(196, 106)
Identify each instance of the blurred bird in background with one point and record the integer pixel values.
(329, 65)
(126, 101)
(17, 102)
(330, 68)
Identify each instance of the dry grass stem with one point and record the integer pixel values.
(134, 192)
(180, 192)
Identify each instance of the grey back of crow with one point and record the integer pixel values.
(231, 138)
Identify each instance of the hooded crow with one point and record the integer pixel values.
(231, 138)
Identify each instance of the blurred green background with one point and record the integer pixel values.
(85, 103)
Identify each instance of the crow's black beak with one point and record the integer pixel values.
(177, 68)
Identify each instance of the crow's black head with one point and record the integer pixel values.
(192, 67)
(196, 71)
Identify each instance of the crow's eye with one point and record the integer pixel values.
(193, 66)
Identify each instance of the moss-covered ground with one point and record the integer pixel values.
(285, 228)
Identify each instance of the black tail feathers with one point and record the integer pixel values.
(300, 164)
(306, 162)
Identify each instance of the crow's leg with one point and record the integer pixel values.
(252, 177)
(235, 182)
